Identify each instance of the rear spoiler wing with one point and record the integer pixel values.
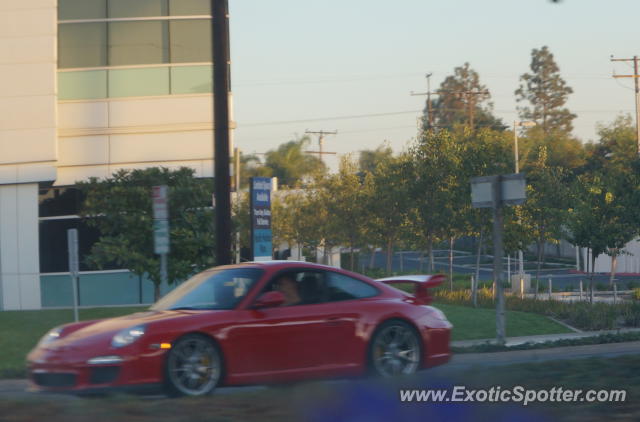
(421, 283)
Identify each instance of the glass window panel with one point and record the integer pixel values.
(191, 79)
(82, 45)
(54, 256)
(139, 82)
(137, 8)
(82, 9)
(132, 43)
(341, 287)
(191, 41)
(59, 201)
(84, 85)
(189, 7)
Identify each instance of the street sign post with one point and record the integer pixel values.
(74, 267)
(495, 192)
(161, 238)
(261, 235)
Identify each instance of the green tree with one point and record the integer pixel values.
(252, 166)
(370, 158)
(616, 146)
(603, 216)
(290, 164)
(120, 207)
(544, 212)
(546, 93)
(436, 187)
(346, 195)
(389, 204)
(462, 101)
(563, 150)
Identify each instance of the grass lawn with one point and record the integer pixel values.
(21, 330)
(479, 323)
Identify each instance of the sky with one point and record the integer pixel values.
(350, 65)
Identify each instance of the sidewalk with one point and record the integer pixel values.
(514, 341)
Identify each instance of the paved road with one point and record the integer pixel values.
(18, 388)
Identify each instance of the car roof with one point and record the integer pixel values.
(277, 264)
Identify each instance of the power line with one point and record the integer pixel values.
(322, 119)
(321, 135)
(391, 113)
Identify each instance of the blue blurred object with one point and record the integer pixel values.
(372, 401)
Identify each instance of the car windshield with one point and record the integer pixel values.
(213, 289)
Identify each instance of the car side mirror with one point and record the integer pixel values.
(269, 300)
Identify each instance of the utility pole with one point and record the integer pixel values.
(467, 99)
(467, 95)
(321, 133)
(221, 90)
(236, 169)
(428, 94)
(635, 77)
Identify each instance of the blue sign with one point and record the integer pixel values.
(261, 235)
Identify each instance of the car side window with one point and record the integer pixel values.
(342, 287)
(300, 287)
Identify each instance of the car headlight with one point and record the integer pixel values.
(52, 335)
(127, 336)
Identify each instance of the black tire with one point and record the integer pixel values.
(395, 349)
(193, 367)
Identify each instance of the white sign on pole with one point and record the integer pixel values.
(512, 190)
(72, 245)
(160, 203)
(160, 220)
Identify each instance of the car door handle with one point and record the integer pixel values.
(334, 321)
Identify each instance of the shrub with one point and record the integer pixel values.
(636, 294)
(583, 315)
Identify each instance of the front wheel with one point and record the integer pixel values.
(395, 349)
(193, 366)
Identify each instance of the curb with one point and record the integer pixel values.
(515, 341)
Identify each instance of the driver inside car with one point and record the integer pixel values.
(289, 288)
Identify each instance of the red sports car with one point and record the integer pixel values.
(279, 321)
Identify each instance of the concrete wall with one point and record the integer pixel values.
(96, 138)
(28, 148)
(19, 257)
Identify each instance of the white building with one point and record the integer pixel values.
(627, 263)
(88, 87)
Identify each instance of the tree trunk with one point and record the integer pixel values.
(593, 266)
(389, 256)
(156, 291)
(614, 264)
(372, 259)
(420, 261)
(540, 248)
(140, 288)
(451, 241)
(352, 259)
(431, 263)
(479, 250)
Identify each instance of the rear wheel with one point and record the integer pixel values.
(395, 349)
(193, 366)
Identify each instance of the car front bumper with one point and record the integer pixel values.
(59, 372)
